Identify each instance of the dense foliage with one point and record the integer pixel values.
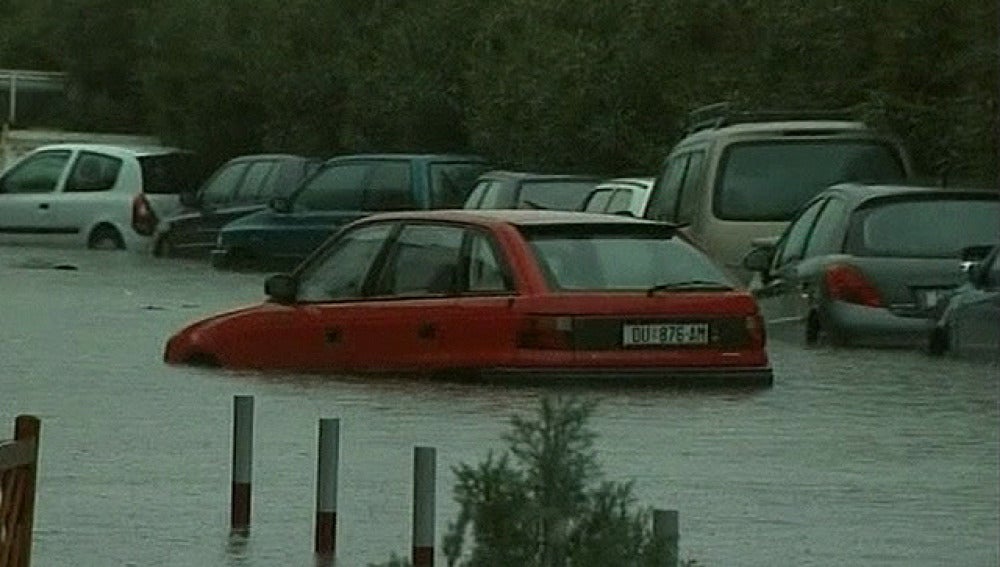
(542, 84)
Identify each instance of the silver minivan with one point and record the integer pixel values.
(737, 176)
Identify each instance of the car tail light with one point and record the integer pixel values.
(849, 284)
(143, 218)
(545, 332)
(756, 330)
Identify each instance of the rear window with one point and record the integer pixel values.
(555, 195)
(619, 258)
(452, 182)
(769, 181)
(171, 173)
(924, 228)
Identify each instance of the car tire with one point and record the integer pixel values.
(162, 248)
(937, 343)
(812, 329)
(817, 333)
(105, 237)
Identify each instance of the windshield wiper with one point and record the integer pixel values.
(689, 285)
(535, 206)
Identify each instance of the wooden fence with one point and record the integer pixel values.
(18, 473)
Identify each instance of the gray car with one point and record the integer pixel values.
(870, 264)
(969, 322)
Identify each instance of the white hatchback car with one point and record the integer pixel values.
(93, 195)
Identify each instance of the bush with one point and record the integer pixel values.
(543, 502)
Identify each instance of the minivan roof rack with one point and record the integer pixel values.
(725, 113)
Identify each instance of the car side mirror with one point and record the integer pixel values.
(282, 288)
(190, 199)
(760, 257)
(280, 204)
(974, 273)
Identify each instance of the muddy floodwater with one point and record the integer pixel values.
(854, 457)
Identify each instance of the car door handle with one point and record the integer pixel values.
(331, 335)
(43, 205)
(427, 330)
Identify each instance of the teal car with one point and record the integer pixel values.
(343, 189)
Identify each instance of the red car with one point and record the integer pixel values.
(497, 294)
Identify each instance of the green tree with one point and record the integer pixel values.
(543, 502)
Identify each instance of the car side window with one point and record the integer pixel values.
(598, 201)
(663, 203)
(794, 240)
(424, 261)
(691, 188)
(93, 172)
(220, 188)
(620, 202)
(828, 235)
(486, 273)
(39, 173)
(388, 187)
(338, 187)
(253, 182)
(341, 272)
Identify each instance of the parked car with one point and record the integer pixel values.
(496, 294)
(624, 195)
(737, 176)
(92, 195)
(868, 263)
(344, 189)
(522, 190)
(968, 323)
(241, 186)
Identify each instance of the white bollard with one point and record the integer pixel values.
(326, 487)
(666, 532)
(424, 465)
(242, 463)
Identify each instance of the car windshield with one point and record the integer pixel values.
(769, 181)
(451, 182)
(620, 258)
(555, 195)
(929, 228)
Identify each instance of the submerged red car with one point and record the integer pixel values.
(497, 294)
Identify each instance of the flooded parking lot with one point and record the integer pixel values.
(854, 457)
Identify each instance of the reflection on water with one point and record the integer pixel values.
(857, 457)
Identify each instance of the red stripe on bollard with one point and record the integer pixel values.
(326, 533)
(423, 557)
(240, 517)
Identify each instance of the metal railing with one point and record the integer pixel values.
(18, 474)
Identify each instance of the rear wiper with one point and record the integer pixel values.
(533, 205)
(687, 285)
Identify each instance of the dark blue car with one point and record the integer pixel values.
(345, 188)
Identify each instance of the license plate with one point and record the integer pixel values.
(669, 334)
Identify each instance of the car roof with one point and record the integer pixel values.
(516, 217)
(857, 194)
(525, 175)
(643, 182)
(823, 128)
(111, 149)
(410, 156)
(253, 157)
